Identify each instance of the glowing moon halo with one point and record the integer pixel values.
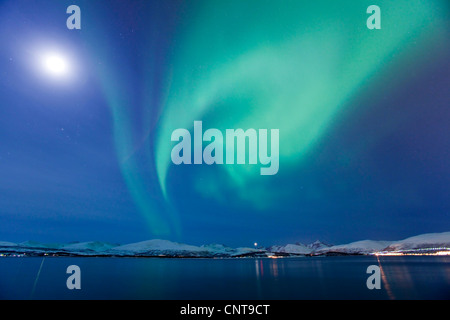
(55, 65)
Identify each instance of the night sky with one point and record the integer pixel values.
(364, 118)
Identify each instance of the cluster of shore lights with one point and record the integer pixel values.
(436, 252)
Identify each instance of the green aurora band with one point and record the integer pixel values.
(290, 65)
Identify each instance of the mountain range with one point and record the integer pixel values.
(430, 243)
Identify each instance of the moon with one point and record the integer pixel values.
(55, 65)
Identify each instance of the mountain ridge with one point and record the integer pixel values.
(164, 248)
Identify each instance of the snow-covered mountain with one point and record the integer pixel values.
(158, 248)
(174, 249)
(424, 241)
(247, 252)
(359, 247)
(150, 248)
(218, 249)
(7, 244)
(318, 245)
(296, 249)
(39, 245)
(94, 246)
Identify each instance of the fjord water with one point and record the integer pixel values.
(413, 277)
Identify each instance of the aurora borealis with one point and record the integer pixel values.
(363, 117)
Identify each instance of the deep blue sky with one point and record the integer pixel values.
(381, 170)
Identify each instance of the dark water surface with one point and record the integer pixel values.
(421, 277)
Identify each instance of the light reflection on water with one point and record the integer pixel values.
(385, 281)
(290, 278)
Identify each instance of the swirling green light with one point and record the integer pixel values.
(292, 65)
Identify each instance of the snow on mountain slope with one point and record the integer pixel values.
(428, 240)
(359, 247)
(299, 248)
(291, 249)
(7, 244)
(173, 249)
(39, 245)
(157, 246)
(318, 245)
(218, 249)
(245, 251)
(88, 246)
